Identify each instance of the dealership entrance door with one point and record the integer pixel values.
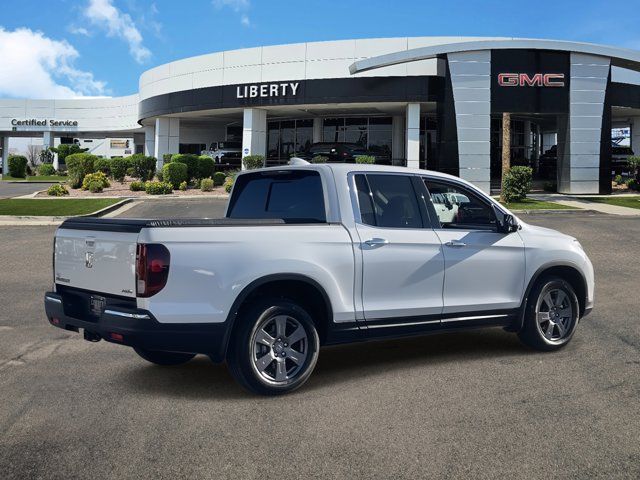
(534, 143)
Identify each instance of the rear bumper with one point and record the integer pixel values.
(138, 328)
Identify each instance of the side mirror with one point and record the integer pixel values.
(506, 223)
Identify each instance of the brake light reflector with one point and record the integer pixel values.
(152, 268)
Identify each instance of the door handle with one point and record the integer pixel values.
(374, 242)
(455, 243)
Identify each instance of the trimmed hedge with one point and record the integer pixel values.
(175, 173)
(158, 188)
(190, 160)
(218, 178)
(166, 157)
(119, 168)
(144, 167)
(46, 169)
(102, 165)
(252, 162)
(78, 166)
(205, 166)
(17, 166)
(228, 184)
(517, 184)
(183, 186)
(98, 177)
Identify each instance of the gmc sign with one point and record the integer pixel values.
(535, 80)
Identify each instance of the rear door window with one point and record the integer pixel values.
(291, 195)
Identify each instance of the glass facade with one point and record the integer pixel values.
(286, 137)
(372, 133)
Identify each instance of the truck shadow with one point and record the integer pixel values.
(201, 379)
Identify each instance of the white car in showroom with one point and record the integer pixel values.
(313, 255)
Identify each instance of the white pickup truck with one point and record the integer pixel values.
(313, 255)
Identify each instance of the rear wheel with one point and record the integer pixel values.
(275, 347)
(164, 358)
(551, 316)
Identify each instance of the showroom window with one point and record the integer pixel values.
(373, 133)
(286, 137)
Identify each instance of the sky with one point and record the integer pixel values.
(75, 48)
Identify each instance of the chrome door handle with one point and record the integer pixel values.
(455, 243)
(376, 241)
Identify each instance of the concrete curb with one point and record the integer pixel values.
(25, 220)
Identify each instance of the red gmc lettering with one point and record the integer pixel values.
(535, 80)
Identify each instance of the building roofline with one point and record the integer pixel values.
(620, 57)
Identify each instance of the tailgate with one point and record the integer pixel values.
(101, 261)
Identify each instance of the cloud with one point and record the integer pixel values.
(79, 31)
(103, 14)
(35, 66)
(238, 6)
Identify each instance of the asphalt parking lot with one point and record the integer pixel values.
(465, 405)
(14, 189)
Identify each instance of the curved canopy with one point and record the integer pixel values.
(620, 57)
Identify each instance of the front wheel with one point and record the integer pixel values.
(164, 358)
(551, 315)
(274, 349)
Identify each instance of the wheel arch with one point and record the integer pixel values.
(567, 271)
(298, 287)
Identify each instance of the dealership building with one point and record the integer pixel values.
(422, 102)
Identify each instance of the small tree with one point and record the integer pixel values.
(66, 149)
(33, 154)
(634, 166)
(46, 156)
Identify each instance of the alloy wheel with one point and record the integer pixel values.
(554, 314)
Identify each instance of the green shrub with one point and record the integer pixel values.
(251, 162)
(102, 165)
(228, 184)
(634, 166)
(137, 186)
(158, 188)
(517, 184)
(618, 180)
(78, 166)
(130, 171)
(166, 158)
(190, 160)
(159, 175)
(119, 168)
(632, 184)
(319, 159)
(91, 178)
(205, 166)
(143, 167)
(46, 156)
(17, 166)
(218, 178)
(175, 173)
(206, 185)
(368, 159)
(183, 186)
(95, 186)
(46, 169)
(57, 190)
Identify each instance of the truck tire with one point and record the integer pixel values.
(164, 358)
(274, 347)
(551, 315)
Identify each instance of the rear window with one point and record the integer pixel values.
(291, 195)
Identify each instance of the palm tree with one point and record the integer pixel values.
(506, 149)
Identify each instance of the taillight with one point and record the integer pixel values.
(152, 268)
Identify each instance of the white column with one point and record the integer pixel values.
(317, 130)
(413, 135)
(397, 139)
(254, 132)
(166, 138)
(5, 155)
(471, 82)
(149, 141)
(579, 172)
